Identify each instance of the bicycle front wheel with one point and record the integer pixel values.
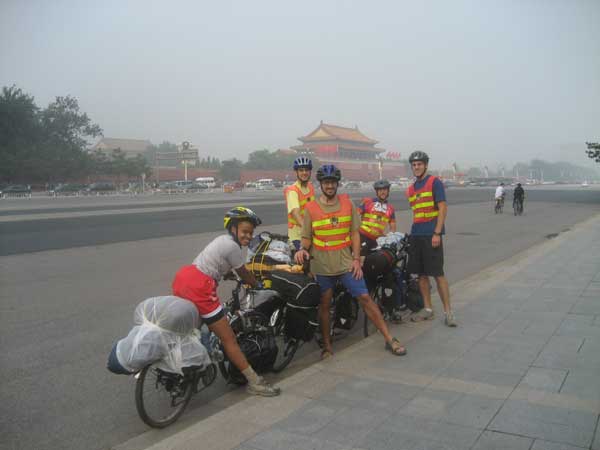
(286, 346)
(160, 396)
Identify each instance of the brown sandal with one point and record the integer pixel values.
(395, 348)
(326, 354)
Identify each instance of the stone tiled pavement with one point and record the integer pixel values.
(522, 371)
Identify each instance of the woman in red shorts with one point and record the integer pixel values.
(198, 283)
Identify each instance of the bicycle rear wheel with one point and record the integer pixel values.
(160, 396)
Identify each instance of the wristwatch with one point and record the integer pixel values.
(435, 233)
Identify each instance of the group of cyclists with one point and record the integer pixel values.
(518, 198)
(331, 232)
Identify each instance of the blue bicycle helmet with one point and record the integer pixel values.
(329, 172)
(302, 162)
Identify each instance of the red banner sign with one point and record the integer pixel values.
(392, 155)
(326, 149)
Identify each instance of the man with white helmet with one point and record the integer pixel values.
(377, 215)
(296, 197)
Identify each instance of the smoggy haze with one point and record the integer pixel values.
(473, 82)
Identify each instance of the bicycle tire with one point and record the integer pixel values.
(286, 346)
(289, 348)
(162, 380)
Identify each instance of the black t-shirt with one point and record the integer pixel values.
(519, 192)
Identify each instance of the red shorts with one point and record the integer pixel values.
(197, 287)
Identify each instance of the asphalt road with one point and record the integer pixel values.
(62, 309)
(47, 226)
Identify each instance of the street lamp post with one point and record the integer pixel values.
(380, 166)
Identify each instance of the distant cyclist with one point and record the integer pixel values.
(499, 198)
(518, 199)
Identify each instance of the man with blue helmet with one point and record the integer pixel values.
(297, 196)
(331, 239)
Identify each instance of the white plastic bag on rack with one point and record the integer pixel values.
(166, 329)
(279, 251)
(390, 239)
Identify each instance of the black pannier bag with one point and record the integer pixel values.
(376, 264)
(346, 311)
(381, 263)
(298, 290)
(260, 350)
(300, 323)
(414, 299)
(302, 295)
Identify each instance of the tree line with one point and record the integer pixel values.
(48, 145)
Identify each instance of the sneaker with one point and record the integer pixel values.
(400, 315)
(263, 389)
(449, 319)
(421, 315)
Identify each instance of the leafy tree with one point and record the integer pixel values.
(593, 151)
(119, 166)
(265, 159)
(42, 145)
(210, 163)
(164, 147)
(63, 145)
(230, 169)
(20, 131)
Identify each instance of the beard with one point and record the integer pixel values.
(330, 196)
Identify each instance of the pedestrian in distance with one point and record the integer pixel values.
(518, 199)
(331, 238)
(427, 199)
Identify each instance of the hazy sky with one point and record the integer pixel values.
(476, 82)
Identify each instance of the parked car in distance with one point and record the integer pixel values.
(199, 186)
(265, 184)
(352, 185)
(210, 182)
(231, 186)
(15, 190)
(67, 189)
(101, 187)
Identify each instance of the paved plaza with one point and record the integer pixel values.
(522, 371)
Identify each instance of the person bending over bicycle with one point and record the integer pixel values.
(198, 283)
(500, 194)
(518, 196)
(330, 236)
